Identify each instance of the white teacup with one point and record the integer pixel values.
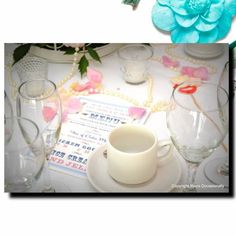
(132, 154)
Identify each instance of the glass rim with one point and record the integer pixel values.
(136, 127)
(16, 118)
(135, 45)
(31, 57)
(202, 82)
(37, 98)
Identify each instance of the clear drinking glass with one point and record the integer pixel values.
(39, 101)
(24, 155)
(217, 170)
(8, 123)
(197, 121)
(31, 67)
(134, 61)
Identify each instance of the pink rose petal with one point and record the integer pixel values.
(136, 112)
(48, 113)
(74, 103)
(94, 76)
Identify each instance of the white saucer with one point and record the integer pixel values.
(165, 177)
(204, 51)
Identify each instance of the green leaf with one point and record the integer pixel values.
(93, 54)
(83, 64)
(69, 51)
(20, 52)
(131, 2)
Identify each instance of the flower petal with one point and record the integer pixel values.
(230, 6)
(204, 26)
(214, 13)
(163, 17)
(164, 2)
(186, 21)
(74, 104)
(178, 7)
(136, 112)
(94, 75)
(224, 25)
(209, 36)
(217, 1)
(184, 35)
(48, 113)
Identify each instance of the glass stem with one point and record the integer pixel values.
(47, 178)
(224, 169)
(192, 170)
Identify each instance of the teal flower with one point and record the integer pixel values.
(194, 21)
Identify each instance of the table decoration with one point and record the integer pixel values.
(86, 129)
(194, 21)
(167, 63)
(82, 88)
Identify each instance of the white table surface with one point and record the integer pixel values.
(112, 79)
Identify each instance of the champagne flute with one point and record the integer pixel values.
(217, 169)
(39, 100)
(196, 122)
(8, 123)
(24, 155)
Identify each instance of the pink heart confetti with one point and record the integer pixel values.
(136, 112)
(48, 113)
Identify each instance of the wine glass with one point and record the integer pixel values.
(24, 155)
(8, 123)
(39, 100)
(217, 169)
(196, 122)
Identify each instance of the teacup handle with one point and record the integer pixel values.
(163, 159)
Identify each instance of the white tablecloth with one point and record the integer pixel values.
(112, 79)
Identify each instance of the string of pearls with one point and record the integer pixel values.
(72, 72)
(161, 105)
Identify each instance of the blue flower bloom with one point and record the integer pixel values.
(194, 21)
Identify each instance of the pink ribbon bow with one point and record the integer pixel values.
(199, 72)
(168, 62)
